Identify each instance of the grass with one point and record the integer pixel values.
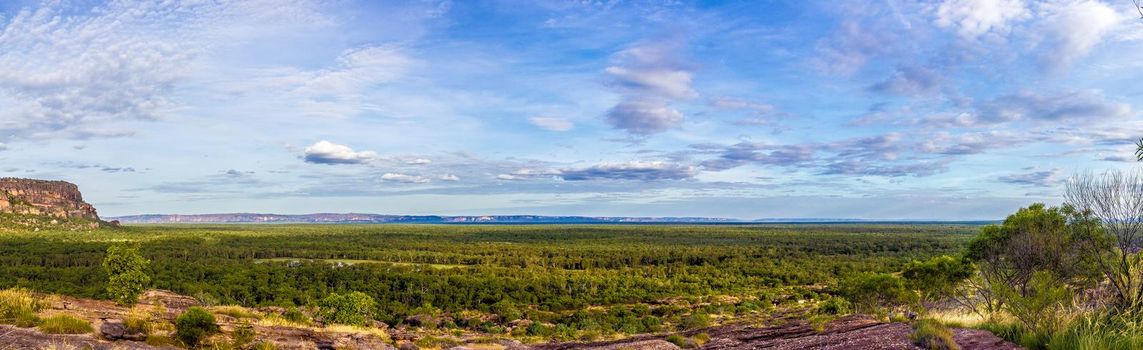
(65, 324)
(956, 318)
(932, 335)
(19, 307)
(1100, 331)
(235, 312)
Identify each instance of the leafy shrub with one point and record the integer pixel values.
(695, 320)
(834, 306)
(355, 308)
(540, 330)
(872, 292)
(194, 325)
(65, 324)
(937, 277)
(296, 316)
(19, 307)
(507, 310)
(126, 277)
(242, 335)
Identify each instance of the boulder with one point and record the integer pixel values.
(116, 330)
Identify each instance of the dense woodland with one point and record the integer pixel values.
(549, 271)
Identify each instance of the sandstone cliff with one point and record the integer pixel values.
(56, 199)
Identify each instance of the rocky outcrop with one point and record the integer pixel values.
(56, 199)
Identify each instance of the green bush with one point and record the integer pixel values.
(296, 316)
(194, 325)
(937, 277)
(695, 320)
(242, 335)
(125, 270)
(355, 308)
(932, 335)
(540, 330)
(872, 292)
(834, 306)
(65, 324)
(19, 307)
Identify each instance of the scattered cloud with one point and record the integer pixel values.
(650, 78)
(969, 143)
(551, 123)
(1074, 106)
(1074, 28)
(746, 153)
(634, 170)
(68, 75)
(974, 18)
(448, 177)
(325, 152)
(644, 117)
(1045, 178)
(919, 169)
(909, 81)
(418, 161)
(1119, 158)
(404, 178)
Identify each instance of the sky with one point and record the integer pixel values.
(933, 110)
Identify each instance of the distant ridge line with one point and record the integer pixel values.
(361, 218)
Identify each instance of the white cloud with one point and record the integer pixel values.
(418, 161)
(77, 70)
(448, 177)
(325, 152)
(650, 78)
(1074, 28)
(551, 123)
(669, 83)
(404, 178)
(974, 18)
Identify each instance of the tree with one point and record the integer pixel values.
(194, 325)
(1115, 200)
(872, 292)
(1015, 257)
(1139, 150)
(355, 308)
(937, 277)
(126, 277)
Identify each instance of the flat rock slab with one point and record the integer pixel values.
(13, 338)
(976, 339)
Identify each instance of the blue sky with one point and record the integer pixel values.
(956, 109)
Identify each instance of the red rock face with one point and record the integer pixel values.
(56, 199)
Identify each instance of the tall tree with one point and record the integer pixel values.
(1115, 198)
(126, 273)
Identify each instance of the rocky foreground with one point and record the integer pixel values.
(849, 332)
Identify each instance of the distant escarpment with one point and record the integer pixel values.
(37, 203)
